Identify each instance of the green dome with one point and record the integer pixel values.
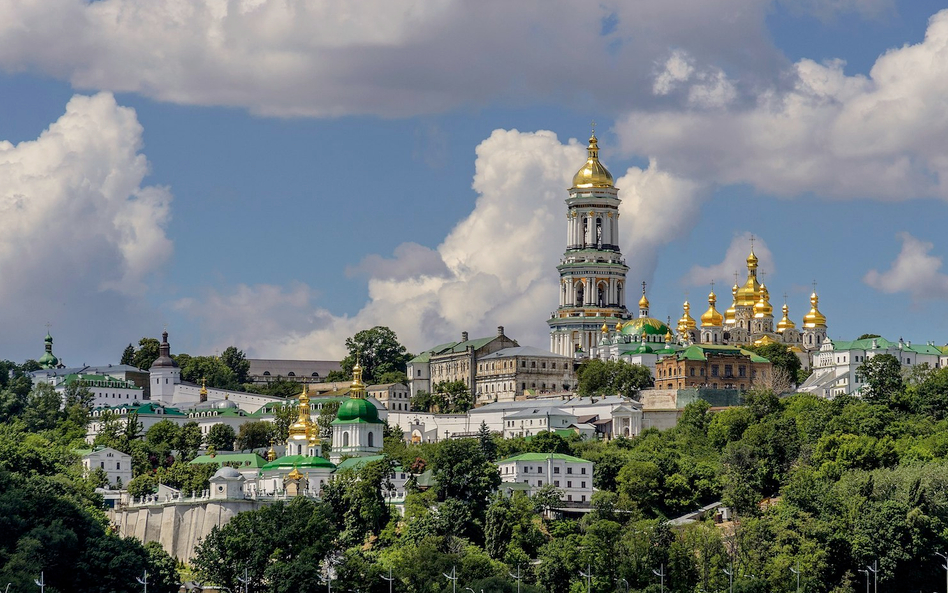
(644, 326)
(644, 349)
(301, 462)
(356, 409)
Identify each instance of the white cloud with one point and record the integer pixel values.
(914, 271)
(79, 234)
(678, 69)
(843, 136)
(496, 267)
(325, 58)
(735, 260)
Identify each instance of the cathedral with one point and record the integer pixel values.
(593, 321)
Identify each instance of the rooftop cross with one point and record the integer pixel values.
(593, 127)
(643, 287)
(752, 242)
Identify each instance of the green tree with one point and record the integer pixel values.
(485, 439)
(42, 408)
(190, 441)
(782, 358)
(378, 352)
(499, 526)
(284, 416)
(462, 471)
(548, 442)
(882, 376)
(455, 395)
(598, 377)
(547, 498)
(393, 377)
(221, 437)
(425, 401)
(163, 570)
(237, 362)
(209, 368)
(255, 435)
(148, 351)
(128, 355)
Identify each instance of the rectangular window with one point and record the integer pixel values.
(102, 464)
(582, 470)
(569, 484)
(556, 483)
(539, 482)
(714, 370)
(582, 484)
(742, 371)
(118, 465)
(569, 470)
(692, 371)
(556, 470)
(728, 370)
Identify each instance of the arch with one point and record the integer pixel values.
(580, 293)
(266, 373)
(345, 439)
(315, 375)
(371, 439)
(291, 374)
(601, 294)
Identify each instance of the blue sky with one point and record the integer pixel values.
(280, 177)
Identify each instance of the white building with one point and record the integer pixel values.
(835, 364)
(394, 396)
(357, 429)
(116, 465)
(515, 373)
(572, 475)
(532, 421)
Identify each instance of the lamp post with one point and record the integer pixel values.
(143, 581)
(945, 566)
(874, 569)
(390, 579)
(865, 572)
(796, 571)
(660, 573)
(245, 581)
(588, 575)
(453, 577)
(41, 583)
(730, 579)
(624, 582)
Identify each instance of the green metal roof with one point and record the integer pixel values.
(883, 344)
(544, 457)
(92, 379)
(354, 463)
(233, 459)
(356, 410)
(700, 352)
(299, 462)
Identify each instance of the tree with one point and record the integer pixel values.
(425, 401)
(485, 439)
(163, 570)
(377, 351)
(324, 421)
(548, 442)
(209, 368)
(393, 377)
(190, 441)
(255, 435)
(868, 336)
(128, 355)
(598, 378)
(237, 362)
(463, 472)
(284, 416)
(148, 351)
(547, 498)
(42, 408)
(455, 395)
(882, 376)
(784, 361)
(221, 437)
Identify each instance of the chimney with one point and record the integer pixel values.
(464, 336)
(500, 330)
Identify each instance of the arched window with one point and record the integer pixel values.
(371, 439)
(345, 439)
(315, 375)
(580, 293)
(619, 293)
(291, 374)
(266, 373)
(601, 295)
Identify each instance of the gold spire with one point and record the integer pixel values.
(686, 322)
(747, 294)
(814, 318)
(204, 388)
(643, 302)
(763, 308)
(669, 337)
(358, 387)
(271, 452)
(605, 328)
(711, 317)
(593, 173)
(619, 326)
(302, 428)
(730, 315)
(785, 322)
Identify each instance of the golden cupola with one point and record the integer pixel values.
(785, 322)
(604, 328)
(593, 173)
(643, 302)
(357, 389)
(302, 428)
(763, 308)
(686, 322)
(814, 318)
(730, 316)
(711, 317)
(748, 294)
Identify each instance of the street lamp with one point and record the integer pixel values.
(588, 575)
(660, 573)
(41, 583)
(143, 581)
(624, 582)
(875, 575)
(730, 579)
(945, 566)
(245, 581)
(390, 579)
(796, 571)
(453, 577)
(865, 572)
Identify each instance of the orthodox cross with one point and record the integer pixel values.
(593, 127)
(752, 242)
(643, 288)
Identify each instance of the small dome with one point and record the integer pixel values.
(762, 307)
(785, 322)
(593, 173)
(227, 473)
(357, 409)
(711, 317)
(644, 348)
(814, 318)
(686, 322)
(224, 404)
(643, 302)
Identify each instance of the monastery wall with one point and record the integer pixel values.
(178, 526)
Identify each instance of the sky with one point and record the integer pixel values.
(280, 175)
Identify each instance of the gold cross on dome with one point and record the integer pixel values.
(752, 241)
(593, 127)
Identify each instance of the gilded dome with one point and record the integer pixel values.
(605, 328)
(686, 322)
(748, 294)
(593, 173)
(730, 316)
(643, 302)
(785, 322)
(301, 429)
(669, 336)
(711, 317)
(814, 318)
(763, 308)
(644, 326)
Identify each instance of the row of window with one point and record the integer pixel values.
(541, 469)
(569, 484)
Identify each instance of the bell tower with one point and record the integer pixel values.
(592, 270)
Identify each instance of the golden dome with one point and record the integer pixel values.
(762, 307)
(619, 326)
(203, 391)
(686, 322)
(301, 429)
(271, 452)
(711, 317)
(785, 322)
(730, 316)
(605, 328)
(764, 341)
(669, 337)
(752, 261)
(643, 302)
(294, 474)
(357, 389)
(747, 295)
(814, 318)
(592, 174)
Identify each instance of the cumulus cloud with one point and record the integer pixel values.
(323, 58)
(841, 136)
(915, 271)
(495, 267)
(79, 233)
(735, 260)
